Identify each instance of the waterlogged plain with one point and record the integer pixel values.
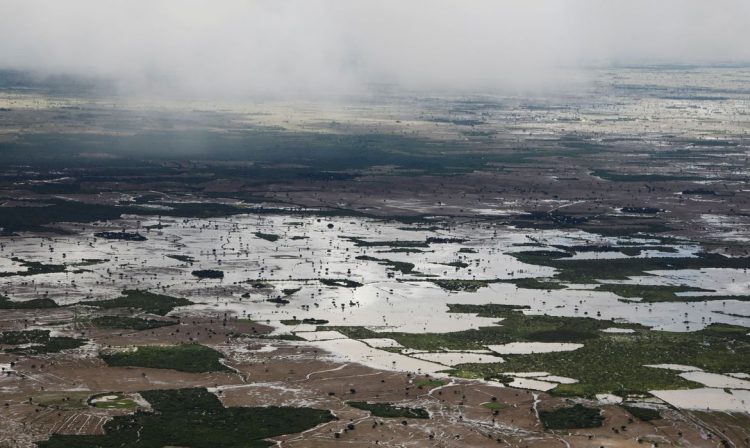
(469, 298)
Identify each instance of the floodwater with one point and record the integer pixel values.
(307, 249)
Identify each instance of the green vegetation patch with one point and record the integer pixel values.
(208, 273)
(131, 323)
(7, 304)
(429, 383)
(124, 236)
(387, 410)
(182, 258)
(267, 236)
(495, 406)
(533, 283)
(34, 268)
(195, 418)
(462, 285)
(457, 264)
(514, 327)
(359, 242)
(63, 400)
(37, 342)
(345, 283)
(144, 300)
(607, 362)
(309, 321)
(643, 414)
(574, 417)
(401, 266)
(184, 357)
(591, 270)
(651, 293)
(632, 251)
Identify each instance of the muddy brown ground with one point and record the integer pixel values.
(295, 374)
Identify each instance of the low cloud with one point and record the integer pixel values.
(321, 47)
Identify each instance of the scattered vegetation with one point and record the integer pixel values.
(63, 401)
(643, 210)
(132, 323)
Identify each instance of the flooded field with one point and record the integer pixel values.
(395, 269)
(312, 278)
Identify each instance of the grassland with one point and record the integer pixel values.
(63, 400)
(428, 383)
(184, 357)
(194, 418)
(120, 402)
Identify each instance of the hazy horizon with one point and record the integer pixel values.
(324, 47)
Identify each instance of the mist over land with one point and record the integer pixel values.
(328, 48)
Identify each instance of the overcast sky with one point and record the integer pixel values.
(309, 46)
